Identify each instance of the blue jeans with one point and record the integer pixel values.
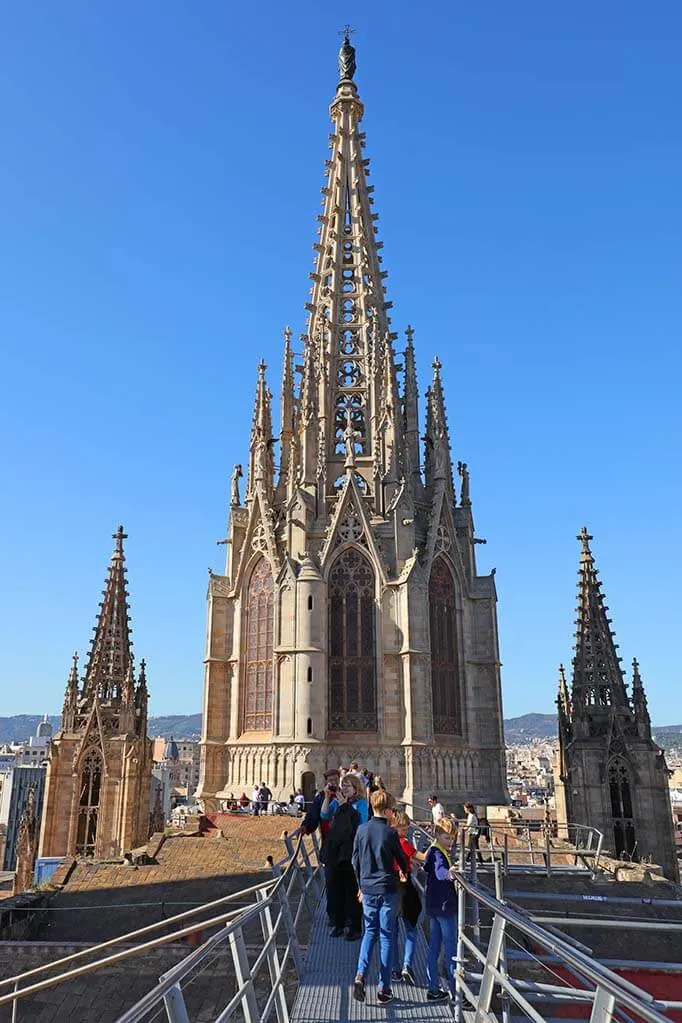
(442, 933)
(410, 942)
(378, 913)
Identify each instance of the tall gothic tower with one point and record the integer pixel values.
(612, 774)
(99, 771)
(351, 622)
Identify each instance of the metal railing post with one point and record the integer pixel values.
(505, 853)
(548, 853)
(15, 1004)
(243, 974)
(459, 964)
(296, 953)
(602, 1006)
(281, 1008)
(174, 1002)
(485, 994)
(499, 894)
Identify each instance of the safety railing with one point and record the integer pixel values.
(546, 847)
(281, 906)
(550, 970)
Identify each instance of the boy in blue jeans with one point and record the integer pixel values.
(375, 852)
(440, 903)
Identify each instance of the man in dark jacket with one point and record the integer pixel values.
(376, 851)
(312, 820)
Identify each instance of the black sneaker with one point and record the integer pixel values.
(337, 932)
(397, 975)
(408, 976)
(385, 996)
(437, 996)
(359, 989)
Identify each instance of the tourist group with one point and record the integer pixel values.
(368, 862)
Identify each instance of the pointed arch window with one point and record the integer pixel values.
(620, 791)
(258, 657)
(445, 680)
(89, 803)
(352, 644)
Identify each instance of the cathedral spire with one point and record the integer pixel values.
(110, 651)
(287, 411)
(141, 701)
(597, 675)
(438, 458)
(71, 694)
(639, 701)
(347, 312)
(563, 699)
(261, 469)
(411, 416)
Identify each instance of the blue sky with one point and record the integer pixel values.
(160, 168)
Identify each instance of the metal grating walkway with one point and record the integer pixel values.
(325, 991)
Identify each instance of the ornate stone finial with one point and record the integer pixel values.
(347, 64)
(119, 536)
(409, 334)
(463, 471)
(437, 365)
(288, 334)
(237, 474)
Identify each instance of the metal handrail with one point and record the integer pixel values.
(628, 995)
(609, 988)
(587, 841)
(233, 922)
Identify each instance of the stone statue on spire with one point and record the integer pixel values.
(237, 474)
(346, 57)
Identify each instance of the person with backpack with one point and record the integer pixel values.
(347, 813)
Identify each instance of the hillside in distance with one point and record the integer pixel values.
(517, 731)
(181, 726)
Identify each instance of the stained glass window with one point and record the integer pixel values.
(88, 803)
(352, 653)
(621, 809)
(258, 667)
(445, 681)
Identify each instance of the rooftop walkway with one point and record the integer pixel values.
(325, 989)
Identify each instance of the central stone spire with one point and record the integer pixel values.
(351, 621)
(348, 345)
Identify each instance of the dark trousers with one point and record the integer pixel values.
(342, 897)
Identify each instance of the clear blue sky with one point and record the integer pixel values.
(160, 168)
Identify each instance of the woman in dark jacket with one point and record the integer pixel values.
(342, 897)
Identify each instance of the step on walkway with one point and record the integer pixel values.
(325, 993)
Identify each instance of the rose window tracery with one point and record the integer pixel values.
(351, 527)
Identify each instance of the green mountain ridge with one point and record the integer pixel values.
(517, 730)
